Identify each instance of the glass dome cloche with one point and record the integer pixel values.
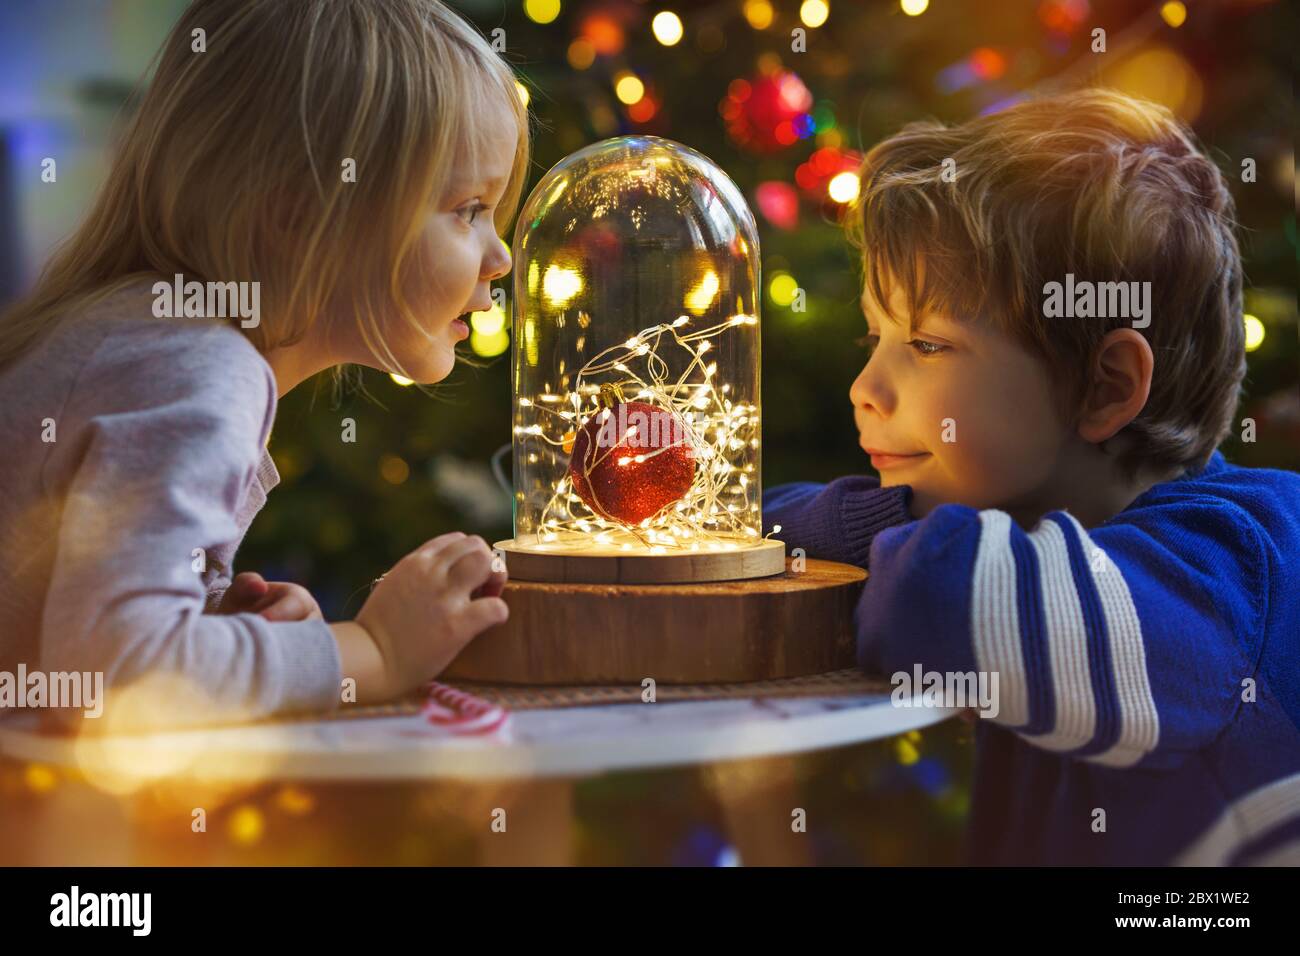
(636, 362)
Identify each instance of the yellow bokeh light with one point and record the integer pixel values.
(701, 296)
(401, 380)
(1254, 332)
(295, 800)
(39, 778)
(524, 97)
(1161, 75)
(628, 88)
(667, 27)
(167, 731)
(560, 285)
(782, 288)
(530, 340)
(1174, 13)
(489, 345)
(542, 11)
(581, 54)
(394, 470)
(907, 753)
(758, 13)
(914, 8)
(246, 825)
(813, 13)
(831, 137)
(843, 187)
(115, 757)
(488, 323)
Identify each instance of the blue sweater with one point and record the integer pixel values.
(1148, 667)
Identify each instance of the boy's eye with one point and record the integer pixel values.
(470, 212)
(923, 347)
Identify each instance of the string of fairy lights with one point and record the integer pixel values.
(717, 512)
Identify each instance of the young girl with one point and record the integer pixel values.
(346, 166)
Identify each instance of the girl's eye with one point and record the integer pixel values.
(923, 347)
(469, 213)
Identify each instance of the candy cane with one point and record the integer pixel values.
(461, 712)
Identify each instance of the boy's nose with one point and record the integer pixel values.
(869, 392)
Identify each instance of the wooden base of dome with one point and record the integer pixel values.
(787, 625)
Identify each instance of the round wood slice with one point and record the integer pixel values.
(593, 565)
(789, 625)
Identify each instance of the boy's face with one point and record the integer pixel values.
(957, 410)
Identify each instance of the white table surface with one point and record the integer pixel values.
(562, 742)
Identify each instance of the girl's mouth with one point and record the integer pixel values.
(461, 327)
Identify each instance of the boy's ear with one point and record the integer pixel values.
(1119, 382)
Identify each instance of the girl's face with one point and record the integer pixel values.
(457, 255)
(957, 410)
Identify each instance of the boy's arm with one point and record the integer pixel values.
(1122, 644)
(836, 521)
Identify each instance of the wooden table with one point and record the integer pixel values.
(545, 750)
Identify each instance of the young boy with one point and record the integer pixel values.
(1053, 295)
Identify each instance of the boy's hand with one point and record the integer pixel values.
(249, 592)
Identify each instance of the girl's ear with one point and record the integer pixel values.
(1118, 385)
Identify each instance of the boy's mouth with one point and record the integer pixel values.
(881, 459)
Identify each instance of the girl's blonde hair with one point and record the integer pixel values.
(232, 168)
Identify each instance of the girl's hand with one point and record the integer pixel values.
(249, 592)
(430, 605)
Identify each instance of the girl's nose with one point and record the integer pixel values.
(497, 262)
(870, 391)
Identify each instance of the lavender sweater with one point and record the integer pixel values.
(156, 467)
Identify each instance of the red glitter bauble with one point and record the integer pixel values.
(608, 476)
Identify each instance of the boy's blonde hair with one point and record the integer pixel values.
(232, 167)
(1094, 183)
